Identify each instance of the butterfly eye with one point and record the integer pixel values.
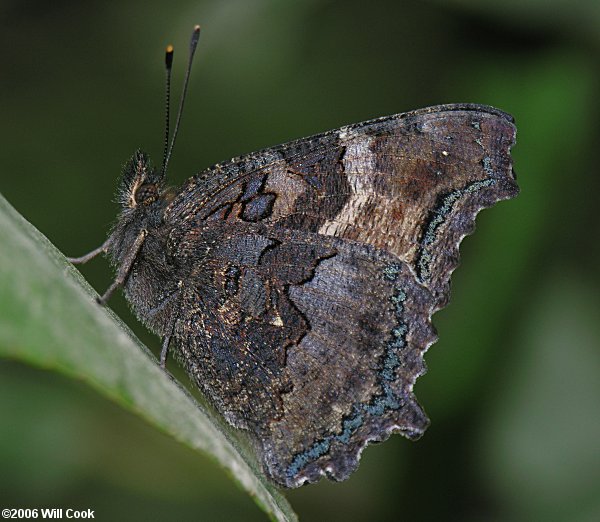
(146, 194)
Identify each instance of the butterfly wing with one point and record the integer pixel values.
(311, 342)
(411, 184)
(323, 260)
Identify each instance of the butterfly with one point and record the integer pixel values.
(296, 284)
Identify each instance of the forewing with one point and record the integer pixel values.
(410, 184)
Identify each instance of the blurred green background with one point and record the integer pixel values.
(513, 388)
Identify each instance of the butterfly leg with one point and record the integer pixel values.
(164, 352)
(91, 255)
(125, 267)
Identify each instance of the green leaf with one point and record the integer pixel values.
(50, 319)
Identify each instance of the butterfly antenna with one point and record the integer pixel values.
(193, 45)
(168, 67)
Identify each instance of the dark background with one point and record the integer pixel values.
(513, 388)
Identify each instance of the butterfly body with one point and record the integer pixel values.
(296, 284)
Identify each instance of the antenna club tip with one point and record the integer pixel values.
(169, 57)
(195, 38)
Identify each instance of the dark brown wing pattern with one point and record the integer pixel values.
(323, 261)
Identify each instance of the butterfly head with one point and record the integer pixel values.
(141, 184)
